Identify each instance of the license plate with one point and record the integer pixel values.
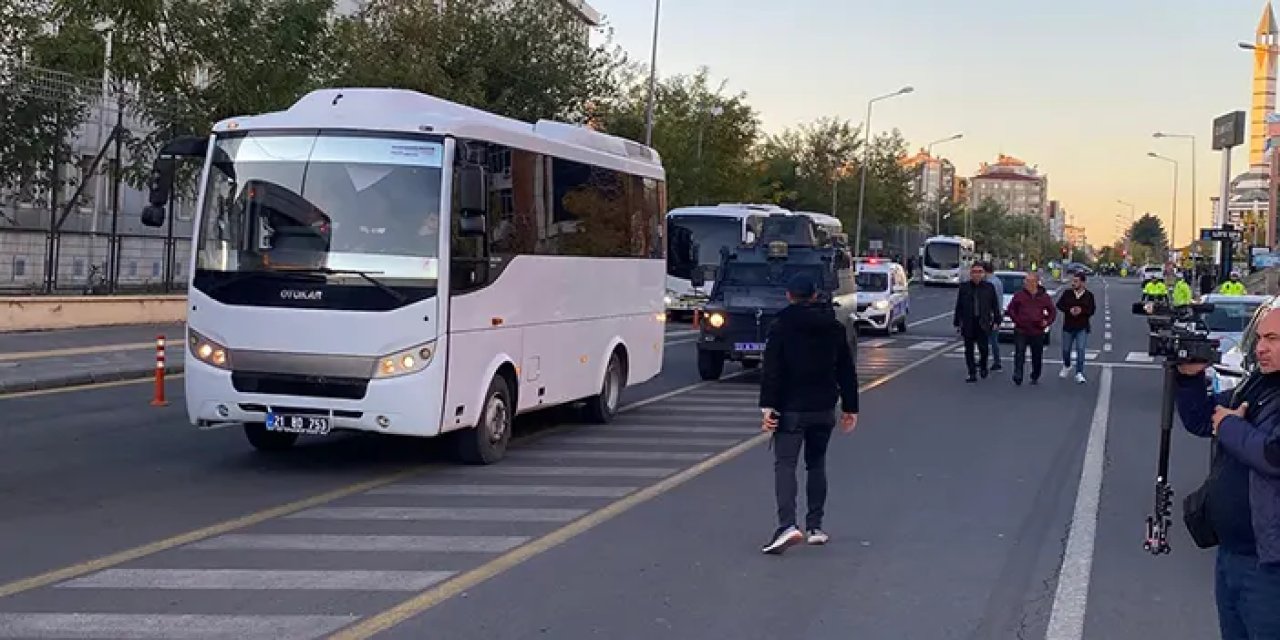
(310, 425)
(748, 346)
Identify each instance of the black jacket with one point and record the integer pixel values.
(1087, 305)
(988, 312)
(807, 363)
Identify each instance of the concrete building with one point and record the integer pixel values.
(1010, 182)
(933, 180)
(1057, 221)
(1074, 236)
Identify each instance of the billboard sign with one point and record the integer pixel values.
(1228, 130)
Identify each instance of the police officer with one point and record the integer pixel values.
(1154, 289)
(1181, 292)
(1233, 287)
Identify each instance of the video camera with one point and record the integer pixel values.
(1179, 333)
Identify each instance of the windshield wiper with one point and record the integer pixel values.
(367, 275)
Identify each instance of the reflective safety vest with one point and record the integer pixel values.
(1181, 293)
(1230, 288)
(1156, 289)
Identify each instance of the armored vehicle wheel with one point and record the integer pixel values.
(710, 365)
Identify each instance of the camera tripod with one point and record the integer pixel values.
(1161, 519)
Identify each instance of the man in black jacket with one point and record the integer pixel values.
(807, 366)
(977, 315)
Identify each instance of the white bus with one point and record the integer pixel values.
(828, 225)
(945, 259)
(695, 236)
(387, 261)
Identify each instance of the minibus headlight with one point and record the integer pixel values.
(405, 362)
(208, 351)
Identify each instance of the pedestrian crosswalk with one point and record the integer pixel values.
(364, 553)
(310, 573)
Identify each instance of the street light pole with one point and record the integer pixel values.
(866, 155)
(1173, 234)
(653, 76)
(1194, 200)
(923, 182)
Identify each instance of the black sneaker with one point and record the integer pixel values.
(983, 372)
(996, 368)
(816, 537)
(971, 378)
(1017, 381)
(783, 538)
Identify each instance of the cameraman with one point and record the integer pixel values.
(1244, 486)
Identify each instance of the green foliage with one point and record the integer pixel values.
(1149, 231)
(705, 138)
(37, 113)
(512, 57)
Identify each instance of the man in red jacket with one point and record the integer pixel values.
(1032, 311)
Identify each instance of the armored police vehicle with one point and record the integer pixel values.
(752, 289)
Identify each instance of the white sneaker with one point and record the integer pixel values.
(1066, 371)
(1080, 378)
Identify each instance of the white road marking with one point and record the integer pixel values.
(1106, 335)
(1066, 621)
(927, 345)
(746, 428)
(672, 343)
(565, 472)
(718, 443)
(1107, 347)
(875, 344)
(167, 626)
(744, 407)
(258, 579)
(1108, 324)
(452, 514)
(336, 542)
(1138, 356)
(583, 454)
(504, 490)
(930, 319)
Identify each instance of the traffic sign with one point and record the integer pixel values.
(1218, 234)
(1228, 130)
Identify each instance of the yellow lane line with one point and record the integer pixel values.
(389, 618)
(78, 351)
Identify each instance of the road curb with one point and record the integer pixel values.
(82, 378)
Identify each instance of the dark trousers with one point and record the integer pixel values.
(810, 430)
(980, 339)
(1020, 343)
(1248, 596)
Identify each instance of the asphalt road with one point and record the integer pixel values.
(950, 512)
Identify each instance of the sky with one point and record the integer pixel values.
(1075, 87)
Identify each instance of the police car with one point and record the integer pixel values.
(883, 296)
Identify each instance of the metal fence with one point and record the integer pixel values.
(80, 231)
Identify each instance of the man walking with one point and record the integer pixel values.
(1032, 312)
(807, 367)
(994, 336)
(977, 315)
(1243, 490)
(1077, 306)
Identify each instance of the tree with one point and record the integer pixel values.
(705, 138)
(194, 62)
(512, 57)
(1149, 232)
(41, 99)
